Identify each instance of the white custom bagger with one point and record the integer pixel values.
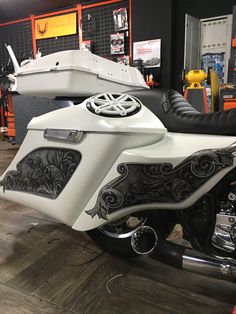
(110, 167)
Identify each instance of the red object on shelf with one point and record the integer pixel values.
(229, 104)
(152, 83)
(11, 132)
(234, 310)
(234, 42)
(2, 120)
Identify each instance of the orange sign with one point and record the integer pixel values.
(56, 26)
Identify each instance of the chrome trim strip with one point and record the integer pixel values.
(65, 135)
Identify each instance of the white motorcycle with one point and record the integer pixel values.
(110, 167)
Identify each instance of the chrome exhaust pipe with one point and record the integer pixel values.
(144, 241)
(214, 266)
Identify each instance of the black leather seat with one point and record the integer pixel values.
(178, 115)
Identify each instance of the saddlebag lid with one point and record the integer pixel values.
(103, 113)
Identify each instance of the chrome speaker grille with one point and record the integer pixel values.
(114, 105)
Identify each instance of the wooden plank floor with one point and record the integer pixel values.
(46, 267)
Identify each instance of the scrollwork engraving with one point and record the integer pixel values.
(161, 183)
(44, 172)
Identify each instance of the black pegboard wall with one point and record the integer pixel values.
(51, 45)
(97, 28)
(98, 25)
(19, 36)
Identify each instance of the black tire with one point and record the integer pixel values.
(122, 246)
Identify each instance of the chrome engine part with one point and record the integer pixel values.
(224, 236)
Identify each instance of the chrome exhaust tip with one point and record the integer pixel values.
(144, 240)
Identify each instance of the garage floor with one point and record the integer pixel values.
(46, 267)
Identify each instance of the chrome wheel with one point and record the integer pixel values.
(123, 228)
(115, 237)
